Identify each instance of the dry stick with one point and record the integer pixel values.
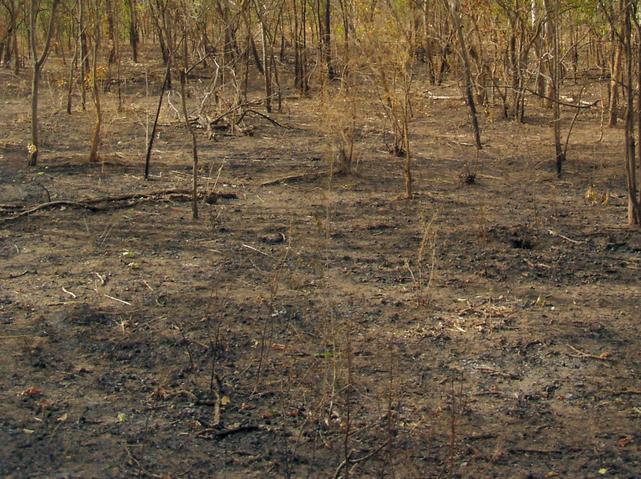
(266, 117)
(51, 204)
(297, 177)
(19, 275)
(153, 130)
(233, 109)
(349, 460)
(72, 70)
(227, 432)
(582, 354)
(191, 68)
(563, 103)
(122, 301)
(554, 233)
(576, 115)
(214, 379)
(632, 392)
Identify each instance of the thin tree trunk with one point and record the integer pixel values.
(133, 30)
(35, 141)
(469, 91)
(194, 141)
(327, 40)
(615, 76)
(634, 213)
(95, 142)
(111, 31)
(72, 72)
(155, 126)
(551, 25)
(83, 53)
(38, 62)
(267, 64)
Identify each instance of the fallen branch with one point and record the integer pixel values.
(293, 178)
(581, 354)
(18, 275)
(49, 205)
(118, 300)
(554, 233)
(631, 392)
(90, 203)
(210, 433)
(231, 110)
(268, 118)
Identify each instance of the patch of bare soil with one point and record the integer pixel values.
(310, 328)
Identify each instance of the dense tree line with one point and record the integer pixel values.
(504, 53)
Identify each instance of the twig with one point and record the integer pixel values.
(18, 275)
(119, 300)
(226, 432)
(256, 249)
(50, 204)
(297, 177)
(69, 292)
(494, 372)
(601, 357)
(351, 461)
(15, 336)
(576, 116)
(102, 278)
(153, 130)
(554, 233)
(583, 105)
(534, 450)
(632, 392)
(231, 110)
(274, 122)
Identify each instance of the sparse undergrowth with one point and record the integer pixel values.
(317, 326)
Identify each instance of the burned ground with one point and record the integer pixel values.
(479, 330)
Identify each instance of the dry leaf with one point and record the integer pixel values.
(624, 441)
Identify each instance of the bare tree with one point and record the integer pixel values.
(634, 210)
(552, 37)
(455, 11)
(183, 93)
(38, 61)
(133, 29)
